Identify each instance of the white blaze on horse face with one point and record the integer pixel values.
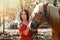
(38, 8)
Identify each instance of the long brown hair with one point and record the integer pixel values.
(27, 14)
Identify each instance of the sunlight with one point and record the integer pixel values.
(8, 7)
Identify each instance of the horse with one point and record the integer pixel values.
(44, 12)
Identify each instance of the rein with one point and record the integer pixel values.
(46, 12)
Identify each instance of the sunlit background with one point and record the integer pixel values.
(10, 9)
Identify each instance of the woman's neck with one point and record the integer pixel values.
(25, 22)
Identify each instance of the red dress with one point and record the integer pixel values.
(25, 37)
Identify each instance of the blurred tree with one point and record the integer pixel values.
(55, 3)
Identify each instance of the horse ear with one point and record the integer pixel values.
(45, 5)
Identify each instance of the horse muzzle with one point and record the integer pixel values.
(34, 25)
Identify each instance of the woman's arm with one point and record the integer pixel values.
(19, 23)
(25, 32)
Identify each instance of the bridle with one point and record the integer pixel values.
(35, 24)
(47, 13)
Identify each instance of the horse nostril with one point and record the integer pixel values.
(34, 25)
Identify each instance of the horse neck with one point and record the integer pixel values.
(53, 15)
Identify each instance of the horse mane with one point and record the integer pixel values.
(59, 11)
(52, 15)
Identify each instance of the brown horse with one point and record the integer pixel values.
(44, 12)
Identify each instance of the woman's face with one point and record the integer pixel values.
(23, 15)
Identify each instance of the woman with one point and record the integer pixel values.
(25, 32)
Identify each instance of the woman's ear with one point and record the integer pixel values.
(45, 5)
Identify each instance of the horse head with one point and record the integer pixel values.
(44, 12)
(38, 16)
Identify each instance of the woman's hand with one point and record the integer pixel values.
(25, 32)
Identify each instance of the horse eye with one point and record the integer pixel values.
(40, 12)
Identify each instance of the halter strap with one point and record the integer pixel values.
(47, 12)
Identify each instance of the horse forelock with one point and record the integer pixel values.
(37, 9)
(41, 7)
